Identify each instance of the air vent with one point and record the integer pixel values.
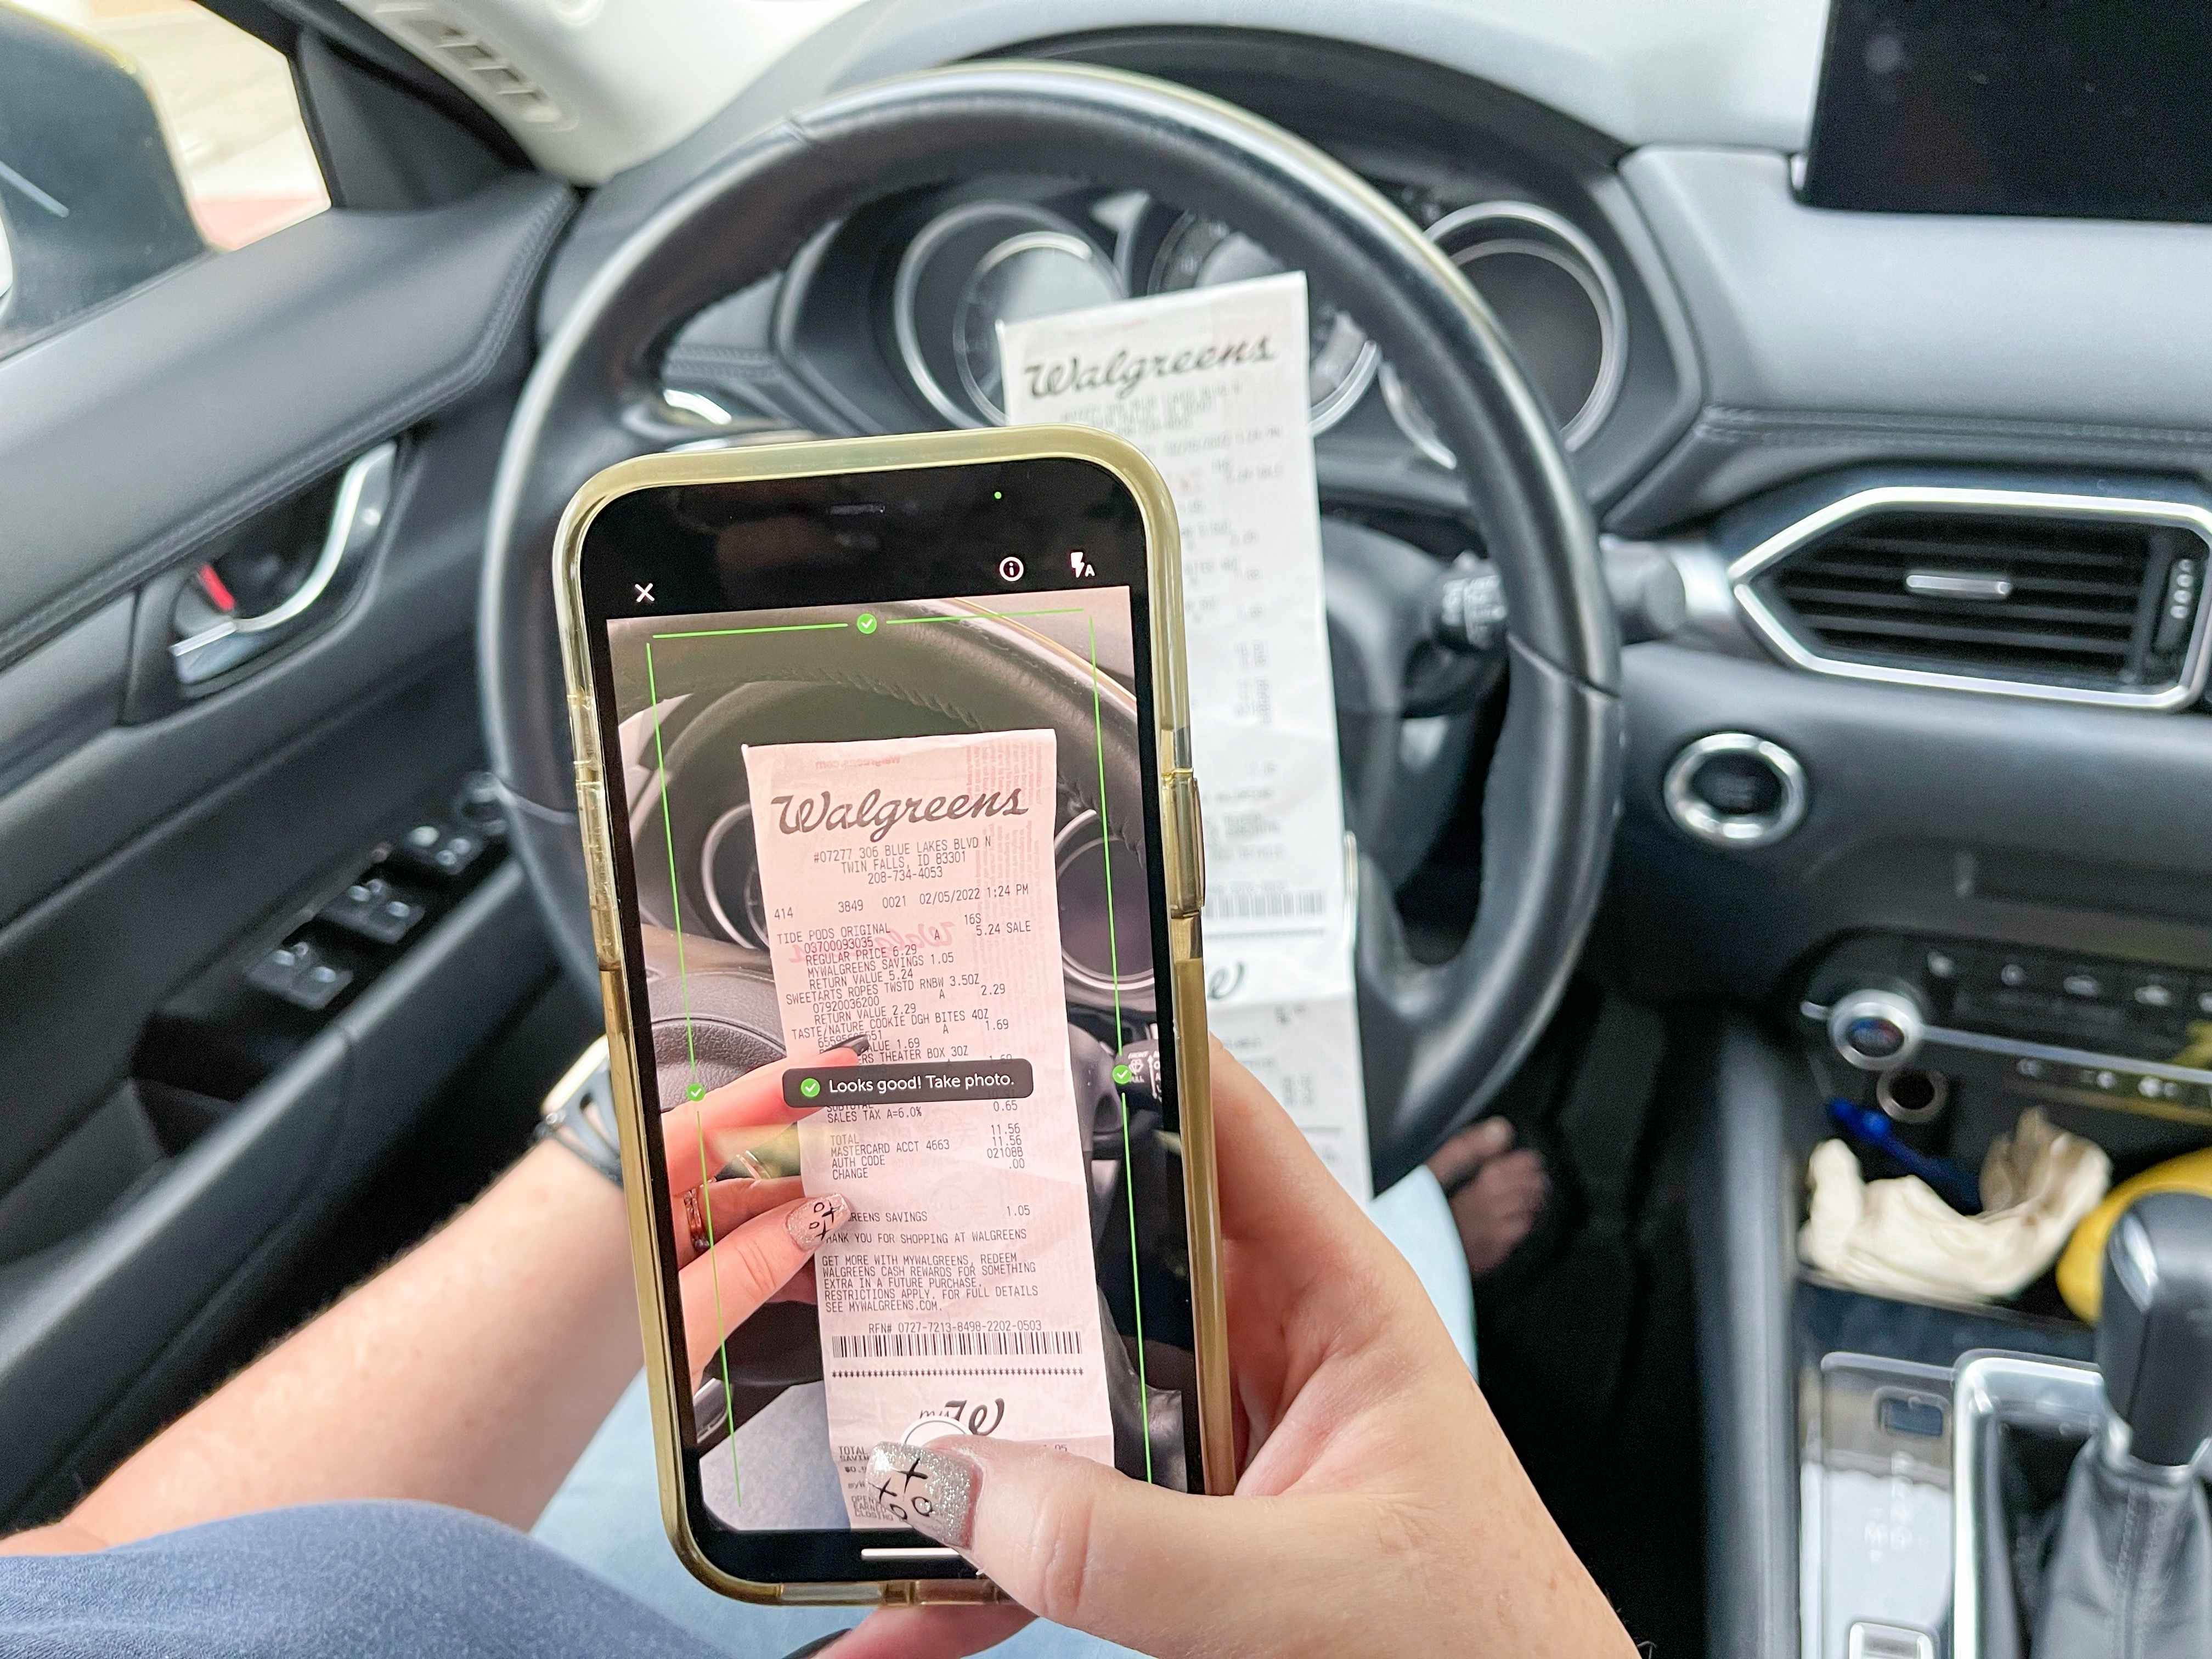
(2076, 598)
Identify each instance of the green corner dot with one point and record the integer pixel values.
(809, 1087)
(697, 1091)
(1123, 1074)
(866, 622)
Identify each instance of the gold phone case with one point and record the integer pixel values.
(1183, 869)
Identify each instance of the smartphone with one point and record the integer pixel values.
(883, 765)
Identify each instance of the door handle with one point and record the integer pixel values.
(290, 596)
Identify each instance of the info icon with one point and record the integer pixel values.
(1010, 568)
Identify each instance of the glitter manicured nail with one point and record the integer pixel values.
(932, 1491)
(816, 1219)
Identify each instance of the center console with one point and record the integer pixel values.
(2119, 1559)
(1881, 1432)
(1896, 1479)
(1944, 1502)
(1919, 1015)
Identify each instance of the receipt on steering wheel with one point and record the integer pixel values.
(909, 887)
(1212, 385)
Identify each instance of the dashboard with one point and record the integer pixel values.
(888, 321)
(1727, 365)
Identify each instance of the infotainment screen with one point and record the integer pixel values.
(2096, 109)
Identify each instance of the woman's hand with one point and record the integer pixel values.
(744, 1242)
(1380, 1510)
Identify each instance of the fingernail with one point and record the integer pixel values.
(932, 1491)
(816, 1219)
(858, 1044)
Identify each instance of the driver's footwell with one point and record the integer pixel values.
(1587, 1335)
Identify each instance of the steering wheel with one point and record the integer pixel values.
(1438, 1038)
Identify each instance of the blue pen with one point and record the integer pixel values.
(1864, 1127)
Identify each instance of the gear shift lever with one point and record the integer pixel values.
(2130, 1570)
(2155, 1336)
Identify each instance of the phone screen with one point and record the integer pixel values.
(882, 785)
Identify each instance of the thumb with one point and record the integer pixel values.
(1084, 1546)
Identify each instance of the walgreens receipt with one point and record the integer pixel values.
(910, 892)
(1210, 383)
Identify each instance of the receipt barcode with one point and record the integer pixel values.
(955, 1345)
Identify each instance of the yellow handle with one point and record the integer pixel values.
(2082, 1268)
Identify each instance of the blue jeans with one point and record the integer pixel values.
(607, 1516)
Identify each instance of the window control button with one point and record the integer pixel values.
(296, 972)
(373, 909)
(274, 972)
(318, 986)
(439, 848)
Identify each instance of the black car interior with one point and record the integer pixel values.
(1772, 671)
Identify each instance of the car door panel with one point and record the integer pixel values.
(138, 1301)
(234, 381)
(416, 602)
(158, 842)
(91, 1314)
(91, 962)
(132, 1231)
(64, 692)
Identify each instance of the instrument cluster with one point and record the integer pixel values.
(982, 260)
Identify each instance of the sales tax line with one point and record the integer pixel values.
(694, 1092)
